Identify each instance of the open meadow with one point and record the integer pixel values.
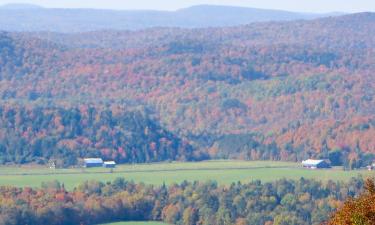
(136, 223)
(224, 172)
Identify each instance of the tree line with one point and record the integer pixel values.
(300, 202)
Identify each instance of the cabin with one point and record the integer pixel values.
(93, 162)
(109, 164)
(315, 164)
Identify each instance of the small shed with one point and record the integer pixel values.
(315, 164)
(109, 164)
(93, 162)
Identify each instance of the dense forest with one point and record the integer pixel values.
(279, 203)
(276, 90)
(63, 136)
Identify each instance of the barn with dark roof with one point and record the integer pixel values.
(93, 162)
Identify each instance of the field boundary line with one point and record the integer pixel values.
(148, 171)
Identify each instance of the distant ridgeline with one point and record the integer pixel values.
(235, 92)
(25, 17)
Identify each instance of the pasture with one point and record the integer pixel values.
(224, 172)
(136, 223)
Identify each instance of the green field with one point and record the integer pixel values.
(136, 223)
(224, 172)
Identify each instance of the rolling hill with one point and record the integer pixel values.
(270, 90)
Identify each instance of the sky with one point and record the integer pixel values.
(316, 6)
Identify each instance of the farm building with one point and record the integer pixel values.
(371, 167)
(93, 162)
(109, 164)
(315, 164)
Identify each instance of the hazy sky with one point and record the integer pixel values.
(291, 5)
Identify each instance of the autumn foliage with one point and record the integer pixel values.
(63, 136)
(302, 202)
(305, 92)
(357, 211)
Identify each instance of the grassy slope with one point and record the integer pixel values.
(224, 172)
(136, 223)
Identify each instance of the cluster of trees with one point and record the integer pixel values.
(39, 134)
(357, 211)
(280, 202)
(305, 92)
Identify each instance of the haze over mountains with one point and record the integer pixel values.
(26, 17)
(202, 83)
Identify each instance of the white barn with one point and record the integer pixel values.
(315, 164)
(93, 162)
(109, 164)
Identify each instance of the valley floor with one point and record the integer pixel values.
(224, 172)
(136, 223)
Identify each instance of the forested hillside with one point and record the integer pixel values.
(63, 136)
(278, 90)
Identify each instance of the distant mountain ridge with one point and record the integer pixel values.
(25, 17)
(20, 6)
